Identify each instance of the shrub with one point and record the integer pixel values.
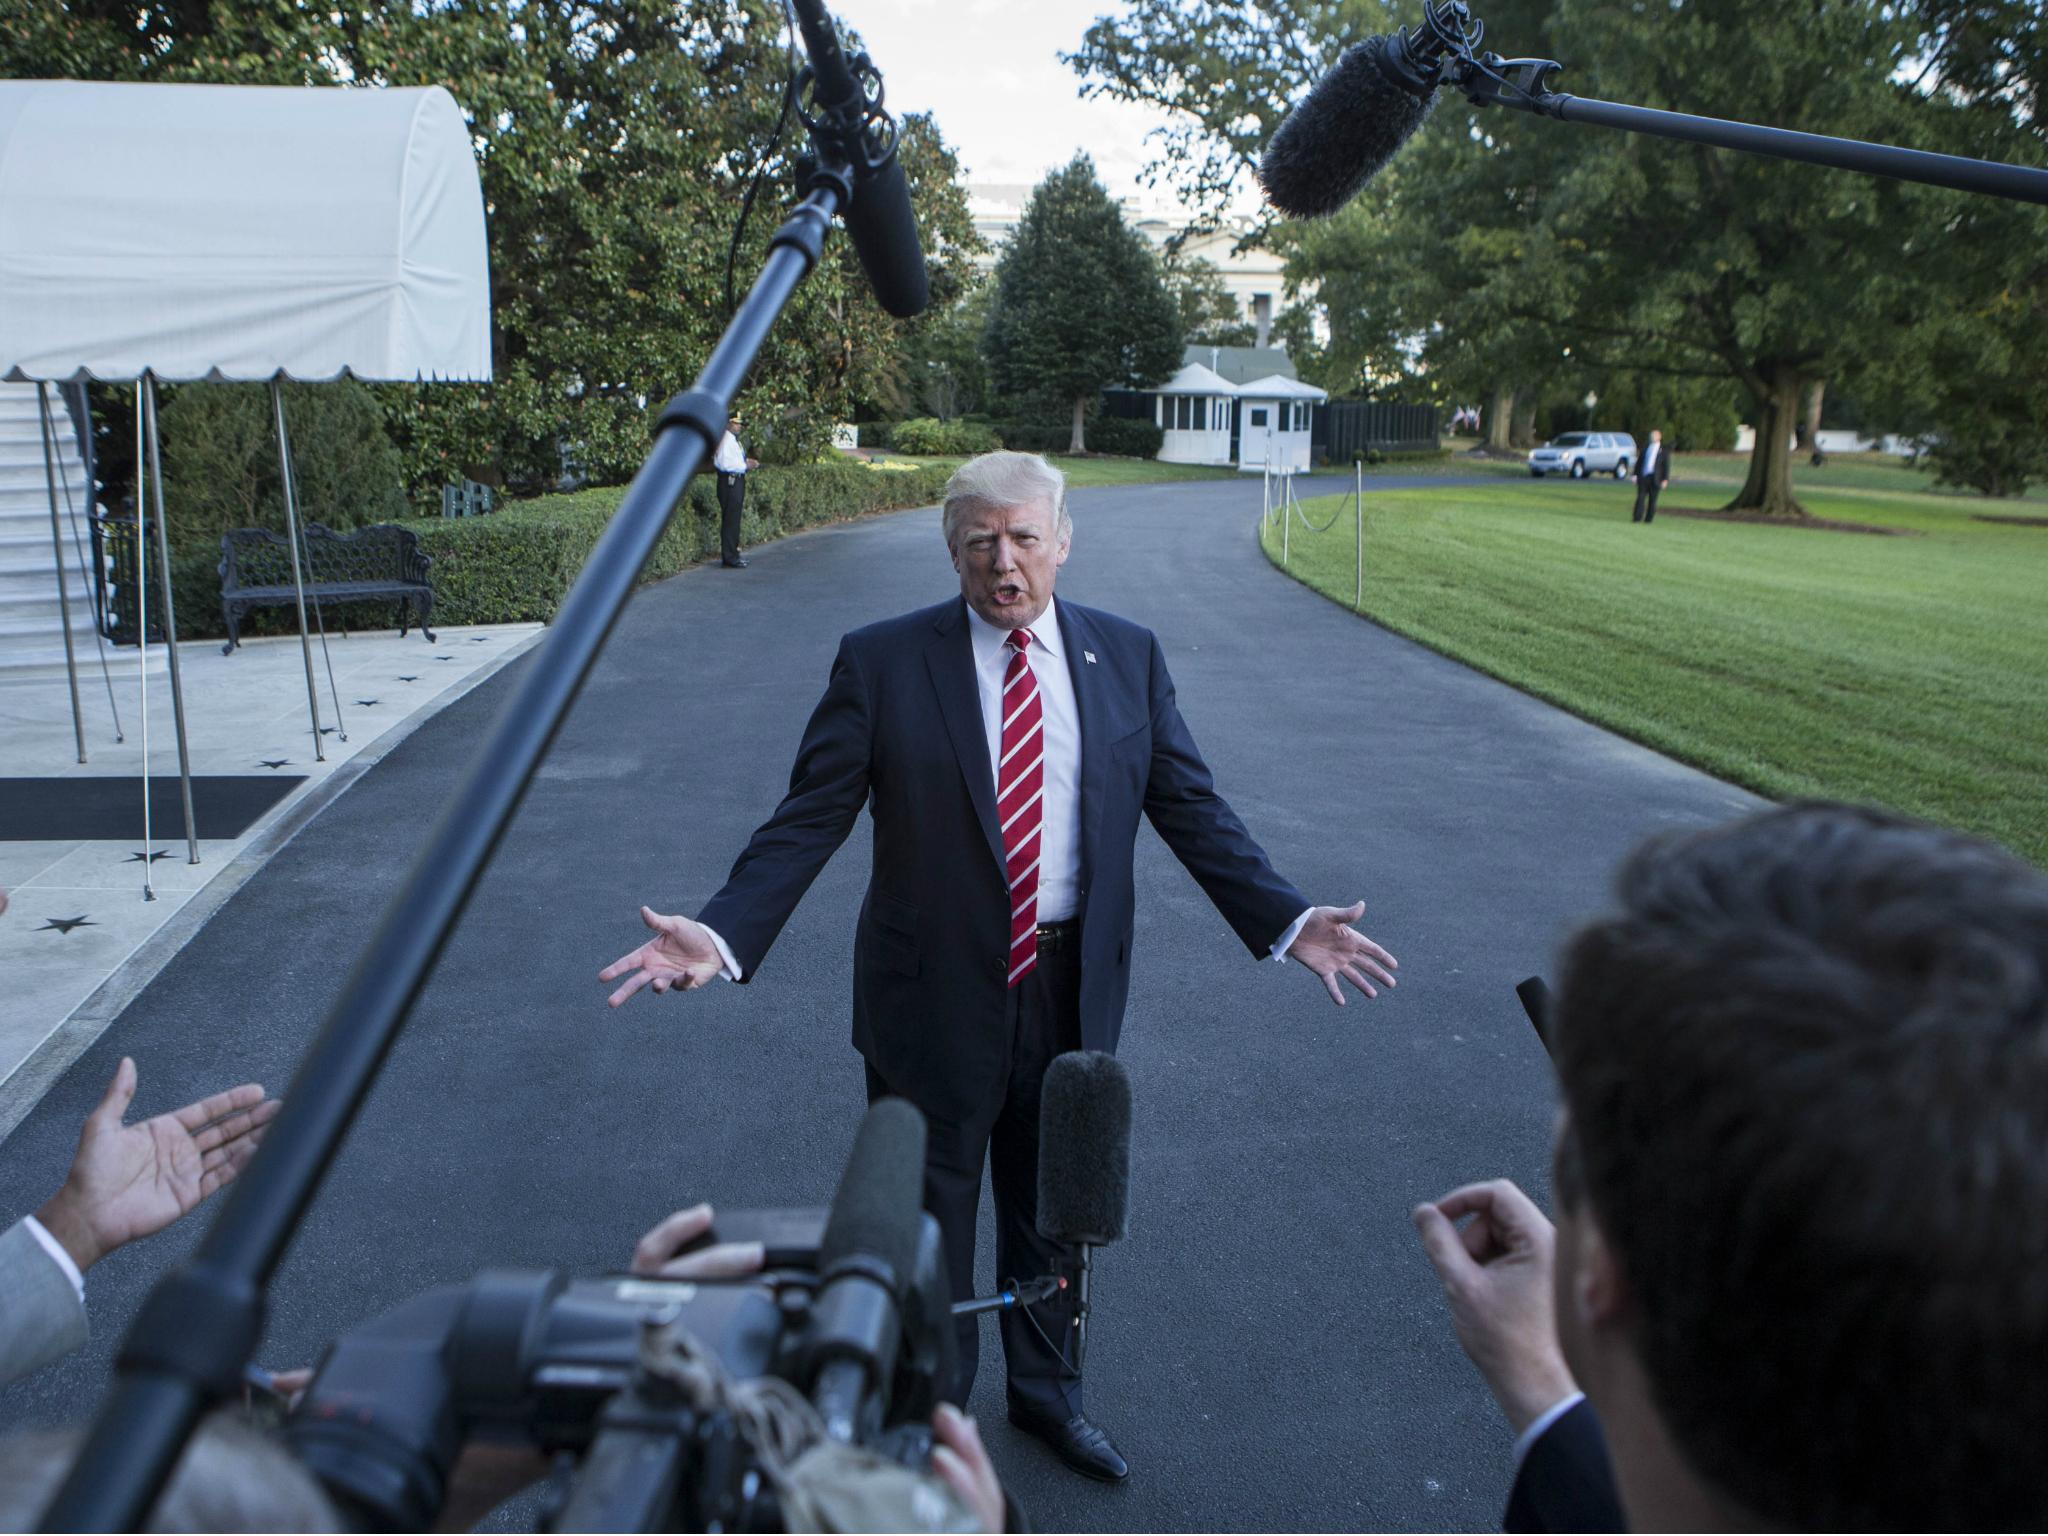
(517, 564)
(922, 434)
(221, 468)
(1036, 436)
(1132, 437)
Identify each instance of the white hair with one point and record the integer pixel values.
(1005, 479)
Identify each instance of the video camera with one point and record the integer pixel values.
(685, 1404)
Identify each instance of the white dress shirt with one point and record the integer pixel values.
(731, 458)
(57, 1253)
(1650, 460)
(1059, 867)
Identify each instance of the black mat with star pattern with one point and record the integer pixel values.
(95, 809)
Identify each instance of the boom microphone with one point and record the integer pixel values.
(879, 218)
(868, 1261)
(1084, 1166)
(1084, 1148)
(1350, 125)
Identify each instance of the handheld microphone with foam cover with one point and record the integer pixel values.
(1084, 1148)
(1344, 130)
(868, 1260)
(1084, 1165)
(880, 218)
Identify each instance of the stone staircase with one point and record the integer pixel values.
(31, 626)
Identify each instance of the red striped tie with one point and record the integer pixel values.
(1020, 800)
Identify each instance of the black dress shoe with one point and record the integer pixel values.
(1080, 1444)
(736, 563)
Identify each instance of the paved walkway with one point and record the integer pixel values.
(1271, 1349)
(80, 938)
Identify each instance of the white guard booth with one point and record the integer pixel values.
(220, 232)
(1274, 418)
(1193, 410)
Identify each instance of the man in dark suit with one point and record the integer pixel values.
(1802, 1193)
(1653, 473)
(1006, 746)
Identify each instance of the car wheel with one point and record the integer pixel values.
(1621, 469)
(1578, 469)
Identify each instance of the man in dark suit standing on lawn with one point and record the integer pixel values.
(1005, 746)
(1652, 475)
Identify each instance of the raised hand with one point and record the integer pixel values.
(1496, 1274)
(128, 1181)
(1332, 948)
(680, 956)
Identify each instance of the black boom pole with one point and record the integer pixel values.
(200, 1324)
(1522, 84)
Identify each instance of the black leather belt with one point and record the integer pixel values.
(1056, 935)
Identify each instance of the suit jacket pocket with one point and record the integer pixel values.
(893, 951)
(891, 935)
(1135, 743)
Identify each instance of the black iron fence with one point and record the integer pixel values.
(1348, 429)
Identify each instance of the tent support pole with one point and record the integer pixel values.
(163, 572)
(291, 524)
(57, 544)
(99, 617)
(142, 644)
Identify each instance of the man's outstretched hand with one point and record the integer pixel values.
(679, 956)
(128, 1181)
(1332, 948)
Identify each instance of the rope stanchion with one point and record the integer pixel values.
(1295, 504)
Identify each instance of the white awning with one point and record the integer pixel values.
(239, 232)
(1277, 386)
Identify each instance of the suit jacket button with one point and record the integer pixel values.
(1000, 965)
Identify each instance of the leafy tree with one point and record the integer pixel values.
(1209, 313)
(1079, 302)
(221, 465)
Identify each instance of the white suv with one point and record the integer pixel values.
(1580, 454)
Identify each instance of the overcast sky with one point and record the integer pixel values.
(989, 71)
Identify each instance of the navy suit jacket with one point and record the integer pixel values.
(1566, 1481)
(899, 730)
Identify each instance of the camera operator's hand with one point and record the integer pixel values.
(679, 956)
(657, 1251)
(128, 1181)
(962, 1464)
(1497, 1277)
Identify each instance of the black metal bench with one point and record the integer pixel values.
(375, 562)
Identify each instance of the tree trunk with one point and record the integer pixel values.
(1500, 419)
(1808, 438)
(1768, 489)
(1078, 444)
(1522, 434)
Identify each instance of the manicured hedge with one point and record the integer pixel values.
(517, 564)
(924, 435)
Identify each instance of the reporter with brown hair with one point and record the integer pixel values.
(1800, 1267)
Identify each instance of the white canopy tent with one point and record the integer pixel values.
(189, 232)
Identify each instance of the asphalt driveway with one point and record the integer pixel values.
(1270, 1349)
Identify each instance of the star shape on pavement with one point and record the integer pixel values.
(364, 703)
(275, 762)
(66, 924)
(413, 679)
(444, 658)
(149, 858)
(326, 730)
(479, 639)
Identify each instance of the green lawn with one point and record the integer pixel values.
(1869, 472)
(1905, 671)
(1092, 471)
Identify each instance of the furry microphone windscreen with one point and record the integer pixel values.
(1084, 1148)
(1345, 129)
(881, 1194)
